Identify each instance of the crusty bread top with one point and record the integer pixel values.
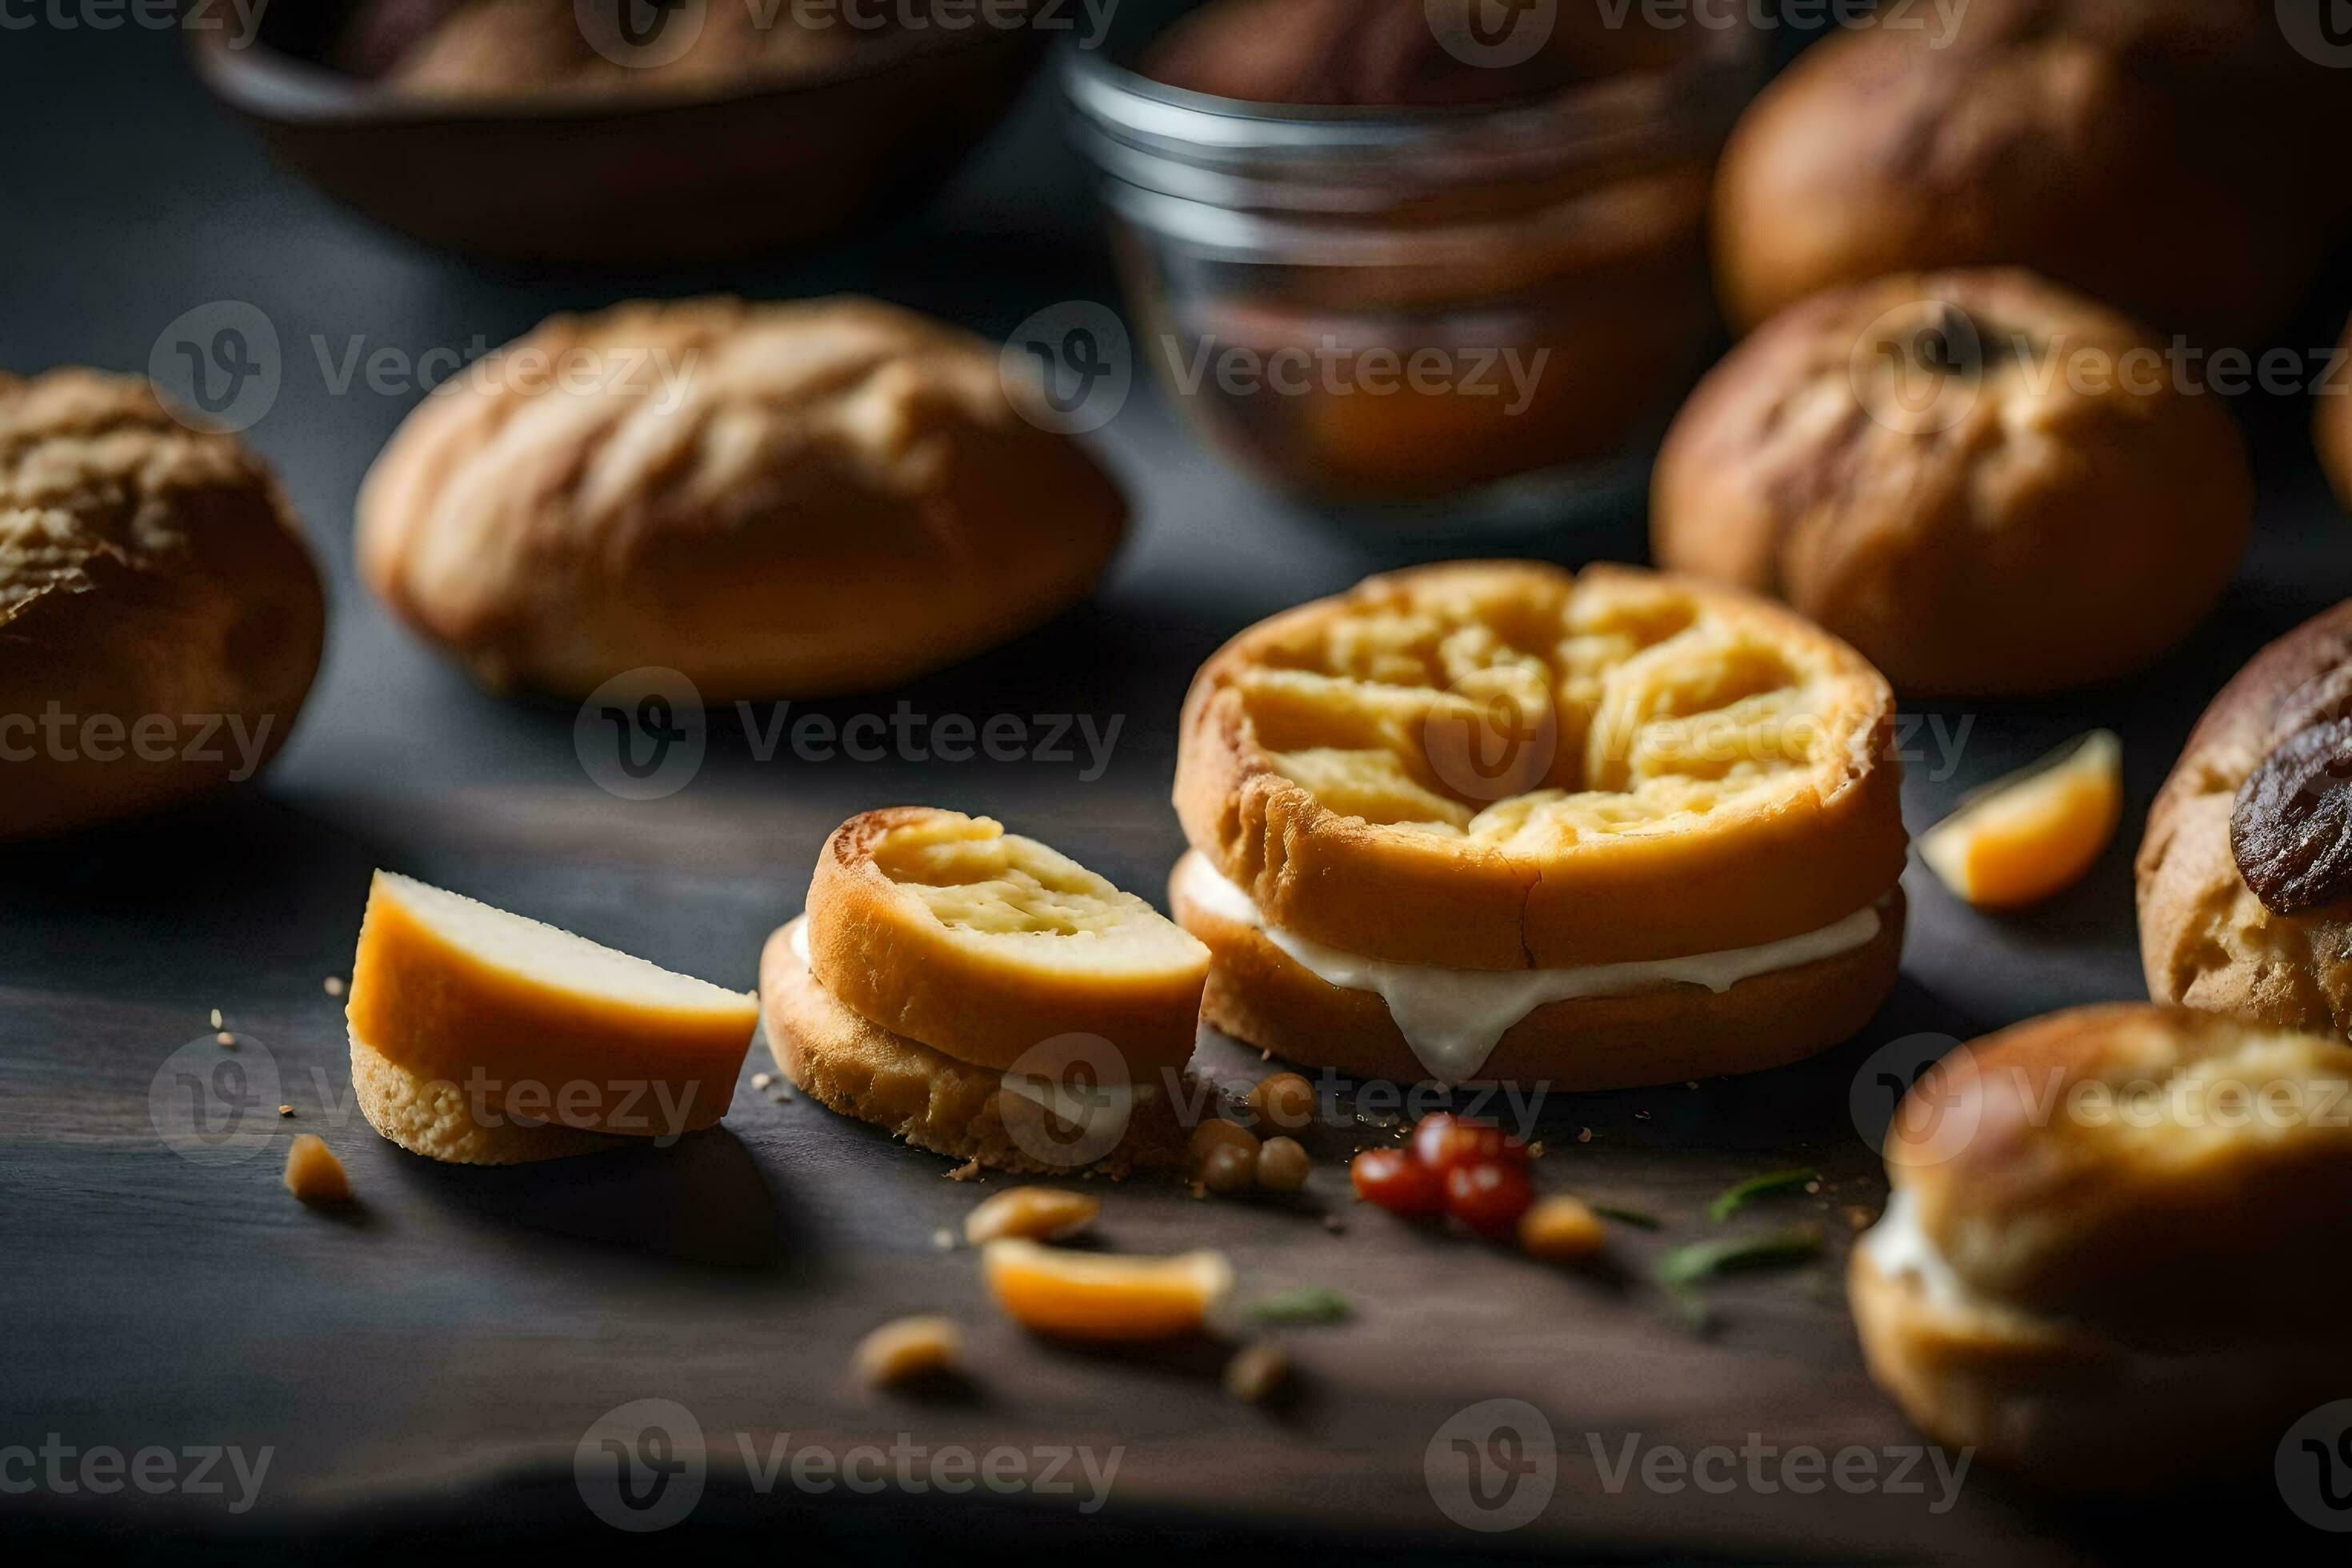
(1919, 458)
(145, 566)
(1496, 764)
(733, 490)
(2159, 1173)
(985, 945)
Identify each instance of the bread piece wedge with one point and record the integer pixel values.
(983, 944)
(484, 1037)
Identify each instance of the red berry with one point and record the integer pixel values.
(1443, 1141)
(1398, 1182)
(1488, 1196)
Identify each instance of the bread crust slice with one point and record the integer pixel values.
(983, 945)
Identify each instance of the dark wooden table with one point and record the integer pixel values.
(424, 1371)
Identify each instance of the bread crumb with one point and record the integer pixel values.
(1033, 1213)
(216, 1018)
(944, 1239)
(226, 1039)
(763, 1080)
(335, 985)
(313, 1174)
(285, 1110)
(1858, 1218)
(969, 1171)
(906, 1349)
(1584, 1136)
(1257, 1372)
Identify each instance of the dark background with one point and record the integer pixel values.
(424, 1369)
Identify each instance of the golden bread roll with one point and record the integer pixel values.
(856, 1067)
(161, 618)
(2252, 793)
(778, 500)
(1487, 786)
(2101, 1264)
(1989, 484)
(2127, 150)
(981, 943)
(486, 1038)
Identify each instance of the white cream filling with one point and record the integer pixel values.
(1454, 1019)
(1079, 1106)
(1899, 1245)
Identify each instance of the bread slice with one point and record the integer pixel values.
(851, 1065)
(481, 1036)
(981, 945)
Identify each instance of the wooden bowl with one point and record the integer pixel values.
(620, 180)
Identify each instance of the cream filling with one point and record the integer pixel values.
(1454, 1019)
(1899, 1246)
(1079, 1106)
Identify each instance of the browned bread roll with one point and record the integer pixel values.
(1988, 484)
(1499, 814)
(159, 617)
(2245, 896)
(2101, 1264)
(2130, 149)
(778, 500)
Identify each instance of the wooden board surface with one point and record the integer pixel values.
(425, 1370)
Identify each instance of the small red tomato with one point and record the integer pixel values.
(1488, 1196)
(1398, 1182)
(1443, 1141)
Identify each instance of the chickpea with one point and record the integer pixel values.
(1284, 1100)
(1228, 1170)
(1212, 1135)
(1282, 1165)
(1561, 1230)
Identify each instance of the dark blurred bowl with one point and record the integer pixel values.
(614, 180)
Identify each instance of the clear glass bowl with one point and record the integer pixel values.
(1442, 317)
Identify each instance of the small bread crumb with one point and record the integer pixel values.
(216, 1018)
(1033, 1214)
(335, 985)
(1584, 1136)
(908, 1348)
(226, 1039)
(1257, 1372)
(969, 1171)
(313, 1174)
(285, 1110)
(763, 1080)
(944, 1239)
